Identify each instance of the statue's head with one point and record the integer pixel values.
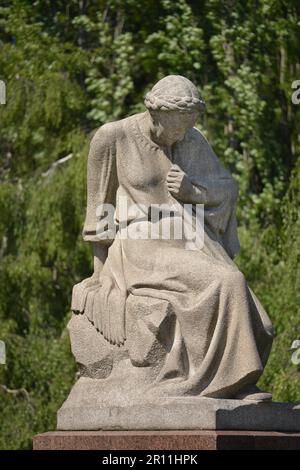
(174, 104)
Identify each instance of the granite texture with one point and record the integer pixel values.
(166, 440)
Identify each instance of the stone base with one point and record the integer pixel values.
(89, 408)
(166, 440)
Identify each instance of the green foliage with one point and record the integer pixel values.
(177, 45)
(270, 258)
(42, 372)
(70, 66)
(44, 99)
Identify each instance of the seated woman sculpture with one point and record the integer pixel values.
(220, 338)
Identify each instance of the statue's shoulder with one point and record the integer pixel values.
(201, 146)
(196, 137)
(106, 134)
(110, 132)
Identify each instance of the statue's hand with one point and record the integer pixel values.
(81, 292)
(179, 184)
(89, 286)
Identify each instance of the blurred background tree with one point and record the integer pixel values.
(72, 65)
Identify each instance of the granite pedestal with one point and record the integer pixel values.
(166, 440)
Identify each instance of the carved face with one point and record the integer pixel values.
(169, 127)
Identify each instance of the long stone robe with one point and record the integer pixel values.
(222, 336)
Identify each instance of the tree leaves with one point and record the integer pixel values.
(71, 66)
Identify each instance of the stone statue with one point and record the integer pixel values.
(162, 323)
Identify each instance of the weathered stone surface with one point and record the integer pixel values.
(149, 330)
(95, 356)
(167, 331)
(98, 404)
(166, 440)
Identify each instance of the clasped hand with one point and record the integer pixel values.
(179, 184)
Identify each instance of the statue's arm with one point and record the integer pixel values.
(102, 186)
(102, 183)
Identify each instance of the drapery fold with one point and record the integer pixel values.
(223, 331)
